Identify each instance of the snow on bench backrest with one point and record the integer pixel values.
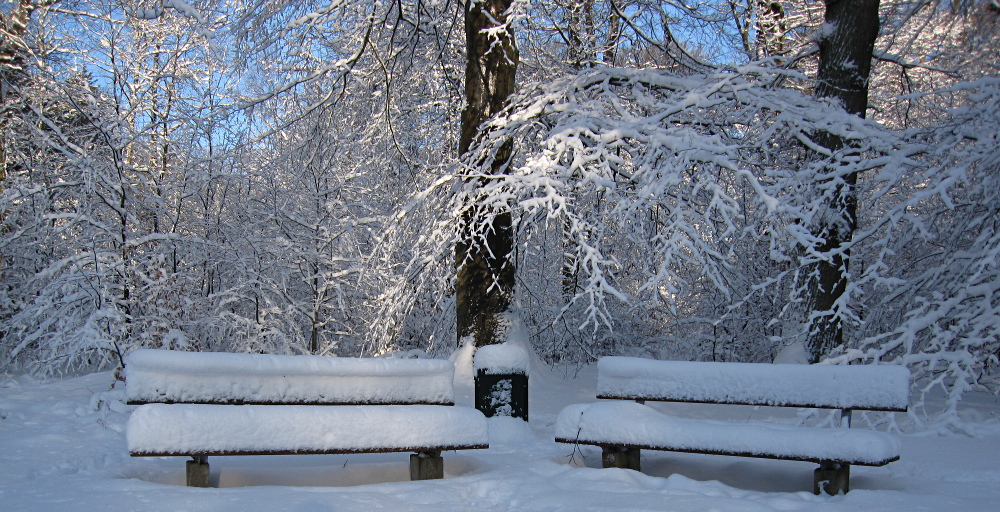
(869, 387)
(165, 376)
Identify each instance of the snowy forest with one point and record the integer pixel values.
(715, 180)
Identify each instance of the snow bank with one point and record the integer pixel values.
(629, 423)
(173, 376)
(874, 387)
(503, 358)
(196, 428)
(794, 353)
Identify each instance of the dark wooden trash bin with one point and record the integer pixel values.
(502, 394)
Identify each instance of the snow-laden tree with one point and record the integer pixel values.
(283, 177)
(689, 203)
(100, 190)
(931, 267)
(44, 140)
(313, 208)
(655, 176)
(334, 156)
(926, 46)
(204, 110)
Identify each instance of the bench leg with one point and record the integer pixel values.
(426, 466)
(197, 472)
(832, 478)
(620, 457)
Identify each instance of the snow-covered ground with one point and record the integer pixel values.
(62, 447)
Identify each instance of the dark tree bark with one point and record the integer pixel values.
(485, 281)
(844, 69)
(845, 54)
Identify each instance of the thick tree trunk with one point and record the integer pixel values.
(844, 68)
(485, 281)
(845, 54)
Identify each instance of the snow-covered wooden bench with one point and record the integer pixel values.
(209, 404)
(622, 429)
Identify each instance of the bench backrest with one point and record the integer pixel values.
(165, 376)
(868, 387)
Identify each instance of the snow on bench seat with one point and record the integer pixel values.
(868, 387)
(165, 376)
(197, 429)
(633, 425)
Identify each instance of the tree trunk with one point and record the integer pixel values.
(485, 281)
(844, 68)
(845, 54)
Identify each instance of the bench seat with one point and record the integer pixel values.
(206, 430)
(604, 424)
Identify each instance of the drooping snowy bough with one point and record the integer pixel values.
(382, 405)
(622, 429)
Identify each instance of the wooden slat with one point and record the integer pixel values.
(863, 387)
(817, 460)
(166, 376)
(311, 452)
(222, 401)
(731, 402)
